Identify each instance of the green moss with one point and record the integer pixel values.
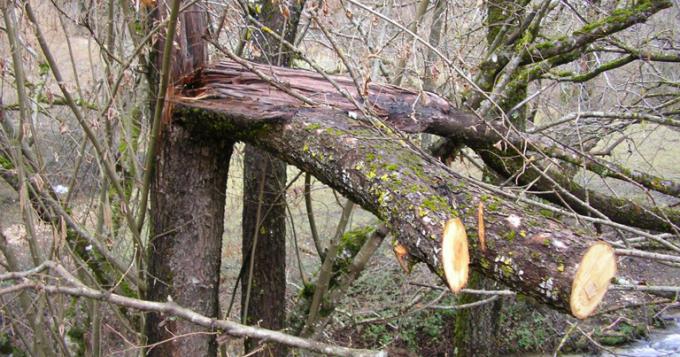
(546, 213)
(493, 206)
(484, 263)
(307, 291)
(526, 40)
(43, 68)
(549, 44)
(418, 171)
(507, 270)
(127, 290)
(382, 198)
(371, 174)
(510, 236)
(6, 163)
(392, 167)
(621, 333)
(6, 347)
(334, 131)
(76, 333)
(435, 203)
(612, 339)
(353, 240)
(617, 16)
(313, 126)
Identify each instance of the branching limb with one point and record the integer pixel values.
(72, 286)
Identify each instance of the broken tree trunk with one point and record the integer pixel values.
(188, 182)
(188, 205)
(379, 169)
(424, 112)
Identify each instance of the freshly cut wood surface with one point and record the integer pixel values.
(592, 279)
(401, 253)
(455, 255)
(481, 231)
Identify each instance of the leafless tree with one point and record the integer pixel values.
(119, 121)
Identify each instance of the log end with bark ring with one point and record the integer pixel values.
(592, 279)
(455, 255)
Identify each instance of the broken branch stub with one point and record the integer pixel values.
(592, 279)
(401, 252)
(455, 255)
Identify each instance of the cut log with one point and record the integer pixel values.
(592, 279)
(455, 255)
(379, 169)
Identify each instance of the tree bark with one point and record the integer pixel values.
(379, 170)
(477, 329)
(186, 241)
(427, 113)
(187, 201)
(263, 293)
(263, 287)
(476, 332)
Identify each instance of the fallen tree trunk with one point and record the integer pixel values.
(380, 170)
(424, 112)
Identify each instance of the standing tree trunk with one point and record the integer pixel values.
(187, 199)
(263, 288)
(477, 329)
(476, 332)
(263, 291)
(185, 246)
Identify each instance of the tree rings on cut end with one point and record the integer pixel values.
(592, 279)
(455, 255)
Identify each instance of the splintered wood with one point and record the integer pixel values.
(481, 231)
(455, 255)
(401, 253)
(592, 279)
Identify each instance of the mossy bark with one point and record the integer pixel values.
(263, 292)
(188, 184)
(263, 285)
(476, 332)
(185, 246)
(381, 171)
